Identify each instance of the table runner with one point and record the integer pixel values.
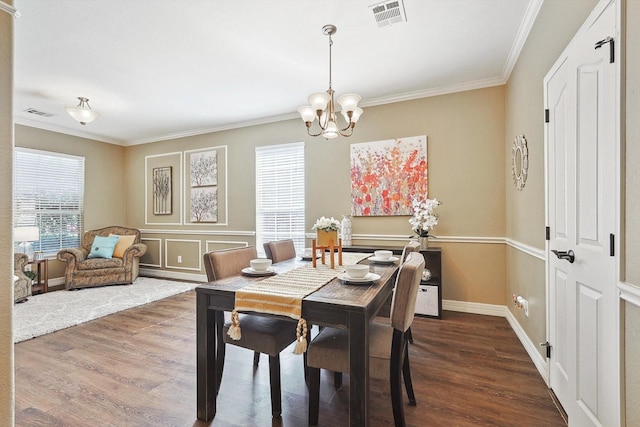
(283, 294)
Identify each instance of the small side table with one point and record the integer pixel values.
(42, 268)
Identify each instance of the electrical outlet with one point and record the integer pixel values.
(525, 307)
(179, 259)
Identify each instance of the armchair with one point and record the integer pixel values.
(83, 272)
(21, 285)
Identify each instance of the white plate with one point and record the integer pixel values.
(370, 277)
(249, 271)
(384, 260)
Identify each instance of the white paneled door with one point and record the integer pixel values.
(582, 134)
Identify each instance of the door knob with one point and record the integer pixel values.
(568, 255)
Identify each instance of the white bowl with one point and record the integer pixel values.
(357, 271)
(383, 254)
(260, 264)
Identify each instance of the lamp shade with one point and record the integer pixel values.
(26, 234)
(83, 112)
(349, 101)
(331, 131)
(319, 100)
(307, 113)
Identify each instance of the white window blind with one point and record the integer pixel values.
(280, 194)
(48, 193)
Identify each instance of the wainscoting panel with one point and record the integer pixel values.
(153, 257)
(183, 254)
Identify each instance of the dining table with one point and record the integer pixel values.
(337, 304)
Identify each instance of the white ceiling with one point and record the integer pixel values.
(160, 69)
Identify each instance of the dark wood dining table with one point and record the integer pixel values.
(336, 304)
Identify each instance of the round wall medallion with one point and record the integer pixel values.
(519, 161)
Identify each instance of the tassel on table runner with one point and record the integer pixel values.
(301, 337)
(234, 330)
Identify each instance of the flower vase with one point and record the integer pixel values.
(325, 237)
(424, 242)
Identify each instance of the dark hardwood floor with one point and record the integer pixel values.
(137, 368)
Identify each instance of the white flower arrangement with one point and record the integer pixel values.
(327, 224)
(423, 219)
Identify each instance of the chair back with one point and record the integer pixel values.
(87, 239)
(228, 262)
(404, 298)
(409, 247)
(280, 250)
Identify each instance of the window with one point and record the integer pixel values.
(280, 194)
(48, 193)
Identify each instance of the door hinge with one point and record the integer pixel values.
(611, 47)
(546, 115)
(548, 346)
(612, 244)
(547, 233)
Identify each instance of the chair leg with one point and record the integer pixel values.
(337, 380)
(395, 368)
(406, 374)
(314, 395)
(274, 379)
(256, 358)
(408, 335)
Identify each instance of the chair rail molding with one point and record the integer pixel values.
(198, 232)
(629, 293)
(523, 247)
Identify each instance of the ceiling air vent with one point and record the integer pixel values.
(38, 113)
(388, 12)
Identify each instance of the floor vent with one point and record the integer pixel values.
(388, 12)
(38, 112)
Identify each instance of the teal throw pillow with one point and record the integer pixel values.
(103, 247)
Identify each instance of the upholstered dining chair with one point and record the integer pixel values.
(268, 335)
(388, 354)
(412, 246)
(280, 250)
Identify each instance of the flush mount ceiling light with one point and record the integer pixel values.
(322, 106)
(83, 112)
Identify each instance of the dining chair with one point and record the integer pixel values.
(412, 246)
(280, 250)
(262, 334)
(388, 354)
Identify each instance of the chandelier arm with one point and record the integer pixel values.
(346, 135)
(312, 134)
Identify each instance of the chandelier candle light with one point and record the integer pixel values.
(424, 219)
(322, 106)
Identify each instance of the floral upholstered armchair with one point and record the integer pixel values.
(121, 266)
(22, 284)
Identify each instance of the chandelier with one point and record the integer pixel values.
(323, 109)
(83, 112)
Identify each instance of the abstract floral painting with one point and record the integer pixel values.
(387, 175)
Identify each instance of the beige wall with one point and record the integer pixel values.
(632, 216)
(555, 26)
(6, 220)
(104, 199)
(466, 162)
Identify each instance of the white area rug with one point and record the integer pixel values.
(53, 311)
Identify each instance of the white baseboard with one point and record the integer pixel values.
(474, 307)
(502, 311)
(166, 274)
